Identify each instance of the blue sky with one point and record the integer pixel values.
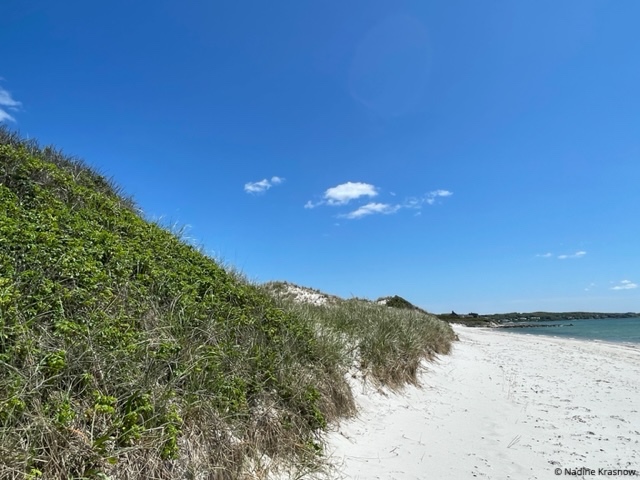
(468, 156)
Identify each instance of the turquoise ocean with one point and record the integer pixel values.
(618, 330)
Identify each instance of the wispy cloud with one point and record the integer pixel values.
(625, 285)
(432, 196)
(579, 254)
(263, 185)
(429, 199)
(7, 103)
(565, 256)
(370, 209)
(347, 192)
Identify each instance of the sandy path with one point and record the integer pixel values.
(502, 406)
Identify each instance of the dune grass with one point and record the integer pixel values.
(126, 353)
(386, 343)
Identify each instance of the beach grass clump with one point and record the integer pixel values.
(386, 344)
(127, 353)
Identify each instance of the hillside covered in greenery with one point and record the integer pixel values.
(128, 353)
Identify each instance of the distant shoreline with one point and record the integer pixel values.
(497, 319)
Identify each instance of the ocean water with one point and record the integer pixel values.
(618, 330)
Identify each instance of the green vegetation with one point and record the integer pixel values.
(387, 343)
(127, 353)
(469, 321)
(398, 302)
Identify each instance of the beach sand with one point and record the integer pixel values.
(501, 406)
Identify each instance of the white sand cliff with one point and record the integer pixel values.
(501, 406)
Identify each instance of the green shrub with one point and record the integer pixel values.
(116, 336)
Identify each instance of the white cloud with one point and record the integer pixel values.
(372, 208)
(7, 102)
(5, 116)
(276, 180)
(413, 202)
(625, 285)
(431, 196)
(263, 185)
(579, 254)
(344, 193)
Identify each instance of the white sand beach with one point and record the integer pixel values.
(501, 406)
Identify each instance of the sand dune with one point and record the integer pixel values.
(501, 406)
